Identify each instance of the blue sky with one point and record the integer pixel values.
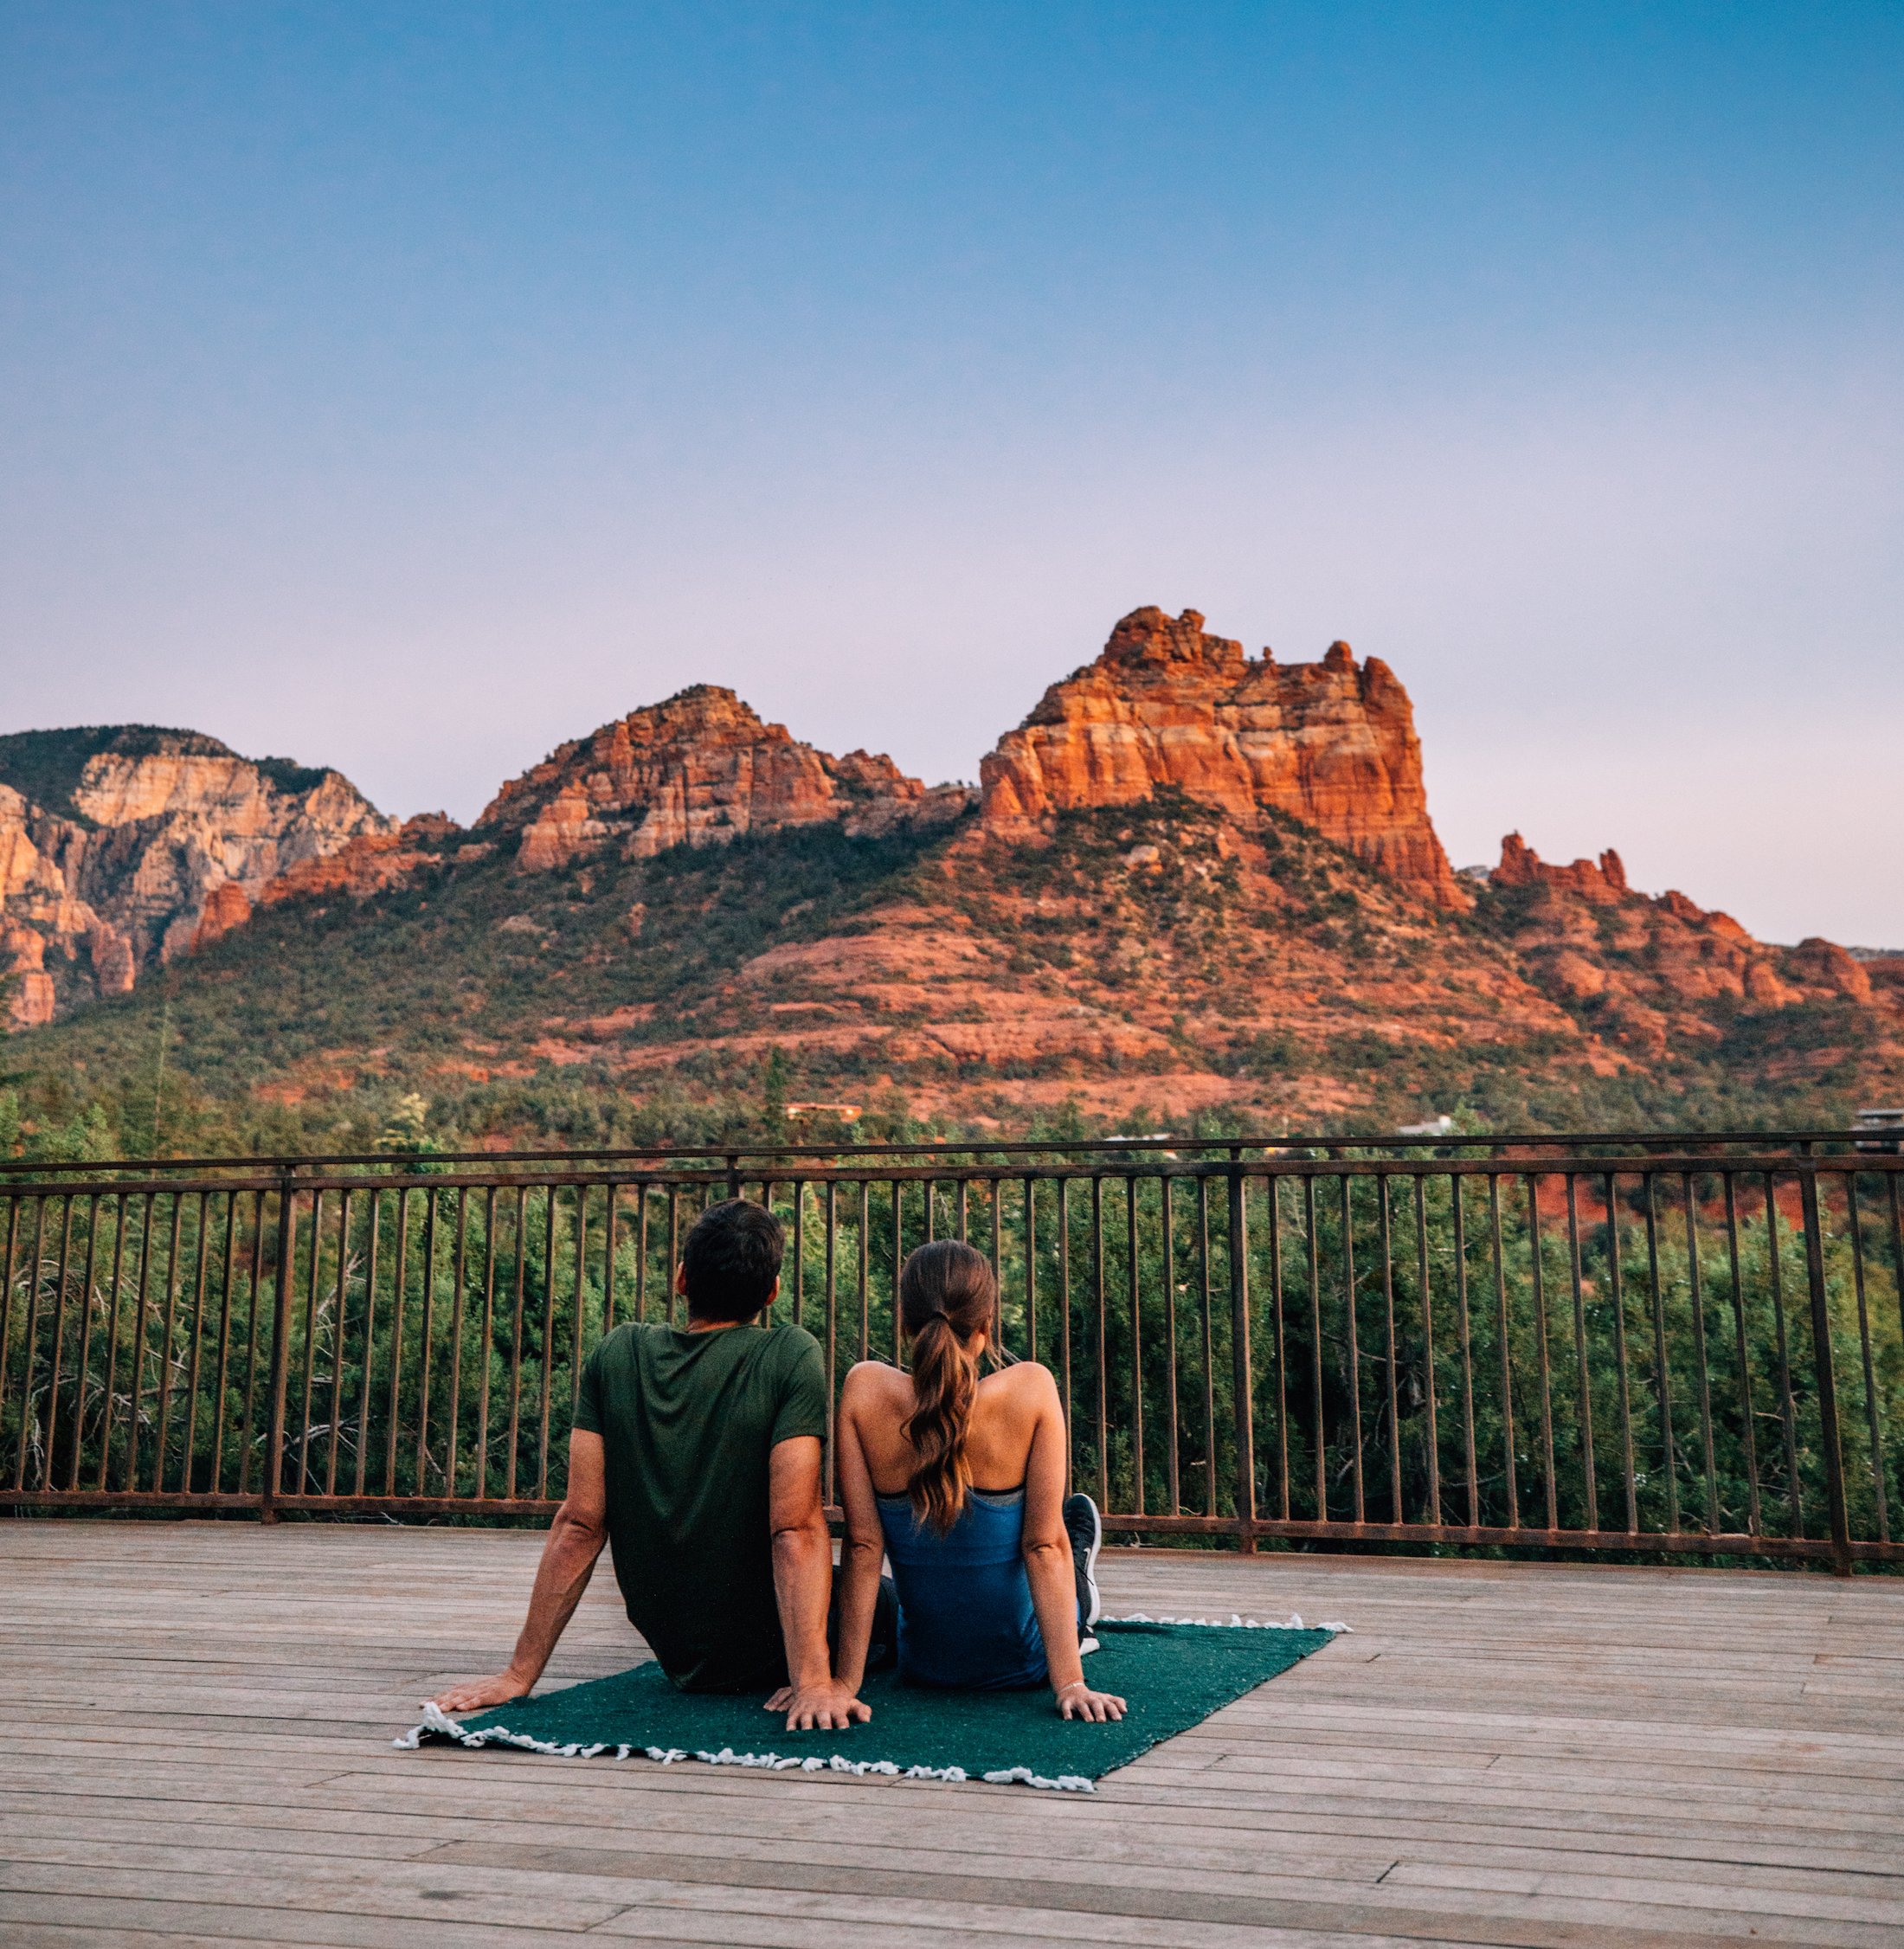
(410, 387)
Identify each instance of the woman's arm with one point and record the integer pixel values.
(863, 1548)
(1048, 1559)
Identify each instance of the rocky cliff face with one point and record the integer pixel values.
(370, 863)
(124, 846)
(699, 769)
(1647, 964)
(1331, 743)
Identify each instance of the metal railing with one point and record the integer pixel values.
(1164, 1147)
(1638, 1344)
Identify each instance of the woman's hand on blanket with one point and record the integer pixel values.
(479, 1693)
(821, 1708)
(1077, 1700)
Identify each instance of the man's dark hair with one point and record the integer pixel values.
(731, 1260)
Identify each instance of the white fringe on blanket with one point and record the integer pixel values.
(1293, 1622)
(438, 1722)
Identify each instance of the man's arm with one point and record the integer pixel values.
(803, 1586)
(579, 1529)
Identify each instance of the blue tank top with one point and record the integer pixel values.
(966, 1616)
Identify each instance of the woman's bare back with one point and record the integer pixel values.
(1005, 1412)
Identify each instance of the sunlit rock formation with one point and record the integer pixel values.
(700, 769)
(1587, 936)
(1331, 743)
(124, 846)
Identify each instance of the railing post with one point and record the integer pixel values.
(281, 1349)
(1827, 1388)
(1239, 1362)
(733, 1175)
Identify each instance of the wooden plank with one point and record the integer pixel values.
(1349, 1927)
(398, 1892)
(213, 1922)
(951, 1846)
(733, 1927)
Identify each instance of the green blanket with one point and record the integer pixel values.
(1173, 1674)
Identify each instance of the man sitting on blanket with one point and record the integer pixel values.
(696, 1458)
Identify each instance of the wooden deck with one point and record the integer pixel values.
(199, 1719)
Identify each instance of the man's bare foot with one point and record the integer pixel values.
(479, 1694)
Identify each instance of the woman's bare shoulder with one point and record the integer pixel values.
(871, 1379)
(1029, 1381)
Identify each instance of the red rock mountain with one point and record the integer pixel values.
(124, 846)
(1643, 961)
(699, 769)
(1331, 743)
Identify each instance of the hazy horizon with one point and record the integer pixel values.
(411, 392)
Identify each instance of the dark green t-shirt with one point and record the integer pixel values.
(687, 1420)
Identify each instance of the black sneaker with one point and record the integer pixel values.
(1086, 1531)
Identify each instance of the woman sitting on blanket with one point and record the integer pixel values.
(960, 1481)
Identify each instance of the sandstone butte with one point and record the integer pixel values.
(699, 769)
(124, 846)
(1331, 743)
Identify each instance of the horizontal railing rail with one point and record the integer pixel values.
(1668, 1344)
(1236, 1148)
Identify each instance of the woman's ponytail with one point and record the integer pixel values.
(947, 1297)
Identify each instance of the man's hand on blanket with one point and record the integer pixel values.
(479, 1693)
(818, 1708)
